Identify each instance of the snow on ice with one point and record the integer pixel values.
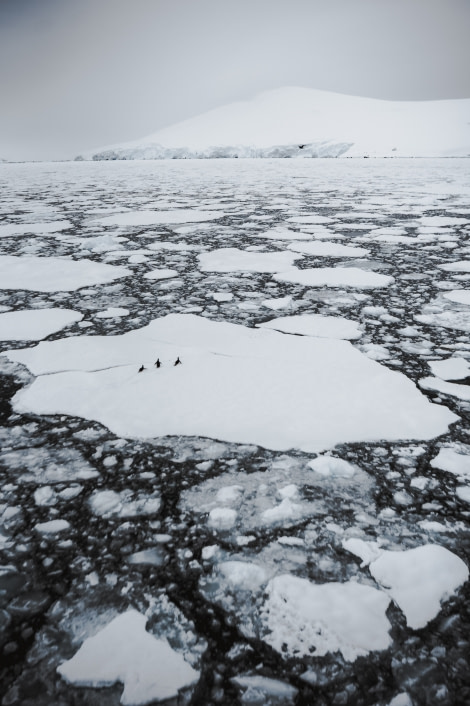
(34, 324)
(315, 325)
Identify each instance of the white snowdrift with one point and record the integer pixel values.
(303, 122)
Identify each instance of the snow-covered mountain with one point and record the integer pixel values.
(303, 122)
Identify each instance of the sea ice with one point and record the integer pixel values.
(112, 312)
(124, 652)
(332, 466)
(462, 392)
(235, 384)
(454, 368)
(459, 296)
(460, 266)
(161, 274)
(149, 218)
(452, 462)
(234, 260)
(315, 325)
(9, 229)
(463, 492)
(326, 249)
(419, 579)
(335, 277)
(54, 274)
(34, 324)
(299, 616)
(52, 527)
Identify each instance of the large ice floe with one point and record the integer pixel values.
(148, 218)
(236, 384)
(54, 274)
(34, 324)
(300, 617)
(124, 652)
(232, 260)
(335, 277)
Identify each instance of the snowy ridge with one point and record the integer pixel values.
(303, 122)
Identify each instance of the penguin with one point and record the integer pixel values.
(142, 367)
(158, 364)
(178, 361)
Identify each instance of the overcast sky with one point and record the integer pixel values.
(79, 74)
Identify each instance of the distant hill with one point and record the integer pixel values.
(303, 122)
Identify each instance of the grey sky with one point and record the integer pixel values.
(78, 74)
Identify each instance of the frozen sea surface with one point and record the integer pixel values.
(282, 518)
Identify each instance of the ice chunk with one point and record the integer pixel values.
(300, 616)
(462, 392)
(452, 462)
(54, 274)
(459, 296)
(335, 277)
(222, 518)
(52, 527)
(332, 466)
(234, 260)
(260, 690)
(34, 324)
(315, 325)
(461, 266)
(9, 229)
(463, 492)
(419, 579)
(450, 369)
(112, 312)
(243, 575)
(327, 249)
(161, 274)
(124, 652)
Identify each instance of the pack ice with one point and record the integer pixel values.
(237, 384)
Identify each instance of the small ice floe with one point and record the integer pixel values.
(458, 296)
(149, 218)
(276, 304)
(299, 617)
(124, 652)
(257, 689)
(462, 392)
(35, 324)
(463, 492)
(419, 579)
(52, 527)
(221, 296)
(454, 368)
(453, 462)
(9, 229)
(161, 274)
(243, 575)
(460, 266)
(327, 249)
(108, 503)
(54, 274)
(282, 233)
(335, 277)
(153, 557)
(112, 313)
(315, 325)
(234, 260)
(222, 518)
(310, 218)
(48, 465)
(332, 466)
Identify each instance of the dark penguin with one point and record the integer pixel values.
(158, 364)
(142, 367)
(178, 361)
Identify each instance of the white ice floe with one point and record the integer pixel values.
(452, 462)
(112, 312)
(222, 296)
(463, 492)
(299, 616)
(459, 296)
(419, 579)
(327, 249)
(108, 503)
(335, 277)
(9, 229)
(149, 218)
(54, 274)
(243, 575)
(260, 690)
(311, 218)
(161, 274)
(222, 518)
(124, 652)
(234, 260)
(52, 527)
(366, 551)
(454, 368)
(235, 384)
(460, 266)
(276, 304)
(332, 466)
(283, 233)
(462, 392)
(315, 325)
(35, 324)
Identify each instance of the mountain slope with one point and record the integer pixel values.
(291, 122)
